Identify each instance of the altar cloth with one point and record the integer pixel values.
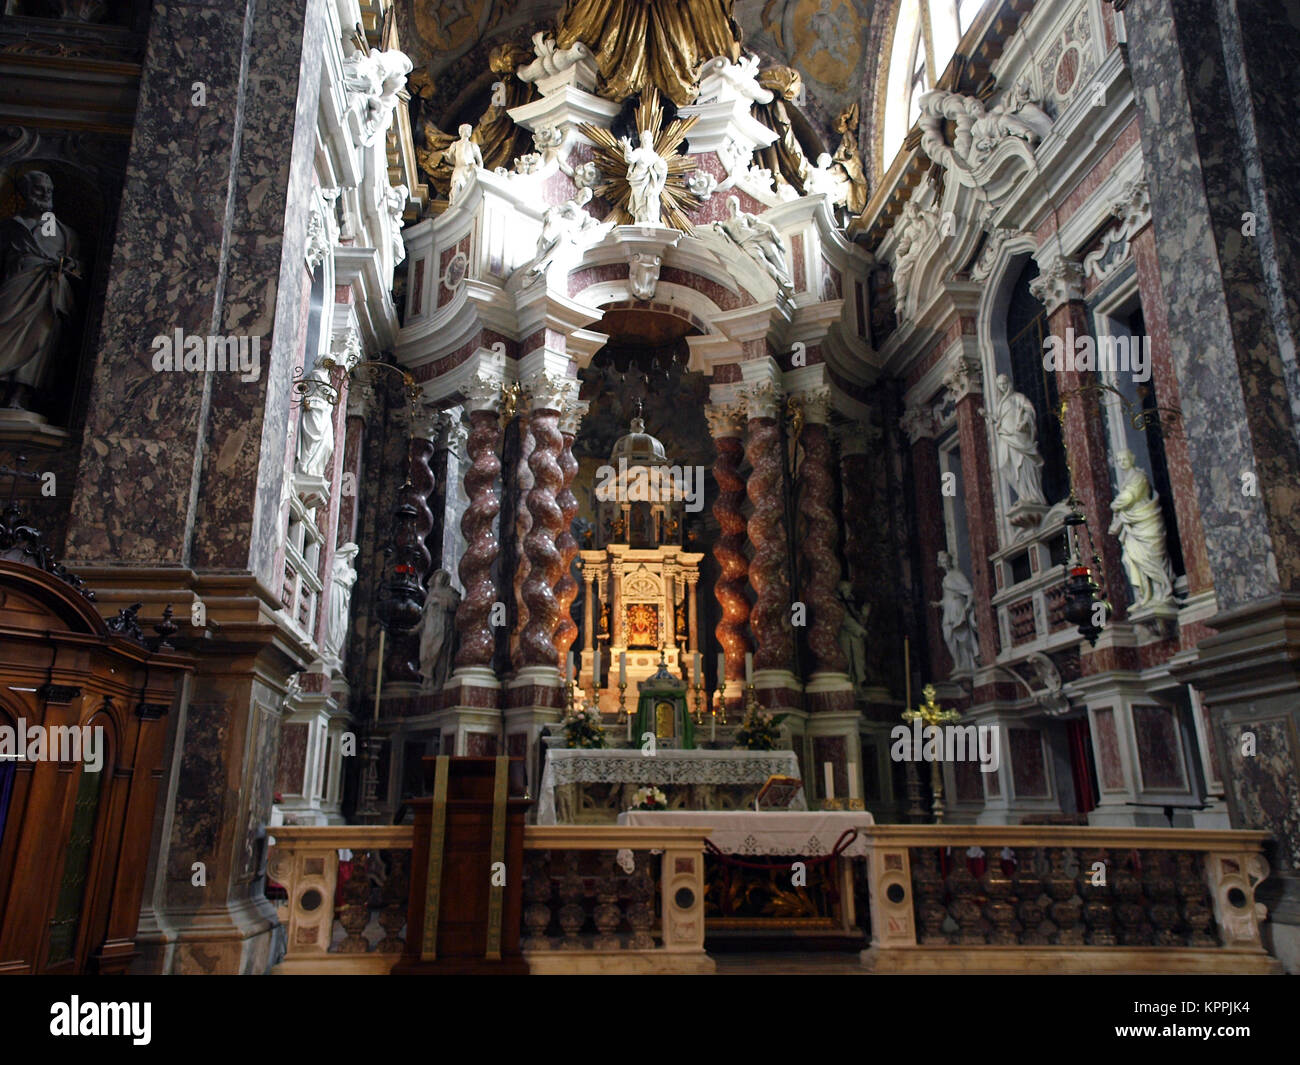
(576, 765)
(808, 834)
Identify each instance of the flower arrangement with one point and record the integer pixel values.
(582, 728)
(649, 799)
(759, 731)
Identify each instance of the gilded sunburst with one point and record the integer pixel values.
(676, 199)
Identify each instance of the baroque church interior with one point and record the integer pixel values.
(647, 486)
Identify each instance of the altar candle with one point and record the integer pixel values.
(713, 726)
(622, 669)
(722, 669)
(749, 668)
(629, 728)
(829, 770)
(853, 780)
(568, 668)
(699, 680)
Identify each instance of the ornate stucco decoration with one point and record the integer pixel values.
(612, 160)
(988, 256)
(983, 139)
(915, 226)
(1133, 209)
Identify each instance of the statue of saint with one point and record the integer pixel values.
(958, 621)
(647, 172)
(853, 635)
(1140, 526)
(342, 578)
(375, 80)
(438, 628)
(759, 240)
(1015, 425)
(558, 222)
(315, 430)
(465, 157)
(39, 260)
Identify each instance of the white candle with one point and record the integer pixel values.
(713, 726)
(722, 669)
(853, 780)
(749, 668)
(622, 668)
(568, 668)
(595, 668)
(829, 770)
(379, 673)
(629, 727)
(699, 680)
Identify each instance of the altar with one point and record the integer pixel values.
(584, 786)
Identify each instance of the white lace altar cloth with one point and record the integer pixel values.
(779, 832)
(569, 765)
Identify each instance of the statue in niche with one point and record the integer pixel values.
(853, 635)
(438, 628)
(315, 429)
(465, 158)
(39, 260)
(1015, 426)
(395, 203)
(342, 578)
(958, 621)
(759, 240)
(647, 173)
(563, 220)
(1140, 525)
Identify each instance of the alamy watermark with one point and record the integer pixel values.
(947, 743)
(1118, 354)
(651, 484)
(55, 743)
(208, 354)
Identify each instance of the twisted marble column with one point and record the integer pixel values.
(729, 549)
(403, 657)
(770, 618)
(545, 563)
(820, 546)
(523, 525)
(566, 588)
(478, 527)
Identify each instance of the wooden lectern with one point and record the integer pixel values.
(467, 869)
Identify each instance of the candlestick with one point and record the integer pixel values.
(699, 689)
(379, 673)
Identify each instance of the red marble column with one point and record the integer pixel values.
(523, 526)
(768, 569)
(403, 659)
(819, 551)
(566, 588)
(478, 526)
(964, 387)
(727, 426)
(1155, 314)
(537, 639)
(919, 424)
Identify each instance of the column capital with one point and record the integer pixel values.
(762, 400)
(919, 423)
(551, 392)
(725, 419)
(964, 379)
(571, 416)
(1059, 280)
(816, 404)
(483, 392)
(345, 349)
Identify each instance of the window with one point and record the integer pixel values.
(926, 34)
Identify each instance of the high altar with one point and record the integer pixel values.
(641, 580)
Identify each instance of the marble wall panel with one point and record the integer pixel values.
(1159, 748)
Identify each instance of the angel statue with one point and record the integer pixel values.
(759, 240)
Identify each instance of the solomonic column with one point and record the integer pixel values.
(727, 425)
(769, 567)
(523, 524)
(471, 699)
(566, 588)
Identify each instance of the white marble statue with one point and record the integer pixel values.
(559, 222)
(647, 173)
(759, 240)
(550, 58)
(958, 621)
(39, 259)
(827, 179)
(1140, 526)
(395, 201)
(375, 80)
(465, 158)
(853, 635)
(1015, 426)
(315, 429)
(437, 628)
(342, 578)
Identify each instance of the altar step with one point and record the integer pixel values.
(790, 963)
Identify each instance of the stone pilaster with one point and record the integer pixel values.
(920, 425)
